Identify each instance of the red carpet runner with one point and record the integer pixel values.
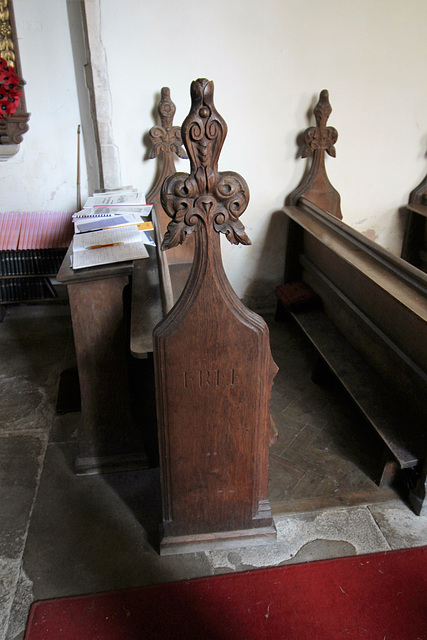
(375, 597)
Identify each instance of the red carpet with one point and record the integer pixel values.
(377, 597)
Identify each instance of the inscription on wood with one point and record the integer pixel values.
(211, 378)
(214, 368)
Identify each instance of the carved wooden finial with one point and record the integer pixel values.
(166, 138)
(321, 136)
(205, 196)
(166, 144)
(316, 186)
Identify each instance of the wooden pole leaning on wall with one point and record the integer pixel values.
(213, 364)
(78, 186)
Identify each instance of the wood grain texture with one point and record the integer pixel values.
(214, 368)
(108, 436)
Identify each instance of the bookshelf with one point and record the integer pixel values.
(32, 248)
(25, 275)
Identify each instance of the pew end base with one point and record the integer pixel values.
(171, 545)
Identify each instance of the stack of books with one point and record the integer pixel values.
(32, 247)
(112, 227)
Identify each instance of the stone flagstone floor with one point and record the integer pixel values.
(65, 535)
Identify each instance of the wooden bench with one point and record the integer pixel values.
(370, 327)
(213, 365)
(158, 281)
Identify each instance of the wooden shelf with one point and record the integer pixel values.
(25, 274)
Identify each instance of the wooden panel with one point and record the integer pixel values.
(147, 310)
(414, 246)
(214, 414)
(386, 356)
(403, 319)
(108, 436)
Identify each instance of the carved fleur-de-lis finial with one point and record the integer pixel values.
(205, 196)
(321, 137)
(315, 186)
(166, 138)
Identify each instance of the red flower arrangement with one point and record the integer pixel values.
(10, 90)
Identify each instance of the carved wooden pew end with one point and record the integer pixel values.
(213, 364)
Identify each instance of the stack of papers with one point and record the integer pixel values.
(111, 228)
(114, 202)
(104, 247)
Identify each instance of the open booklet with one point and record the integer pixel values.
(108, 246)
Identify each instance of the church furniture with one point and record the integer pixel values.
(365, 312)
(112, 307)
(158, 282)
(414, 246)
(109, 438)
(32, 247)
(114, 310)
(213, 364)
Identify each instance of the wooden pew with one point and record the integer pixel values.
(364, 310)
(116, 431)
(213, 364)
(157, 282)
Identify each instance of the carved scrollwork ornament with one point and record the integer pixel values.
(205, 196)
(321, 136)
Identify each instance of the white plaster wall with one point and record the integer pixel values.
(43, 175)
(269, 61)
